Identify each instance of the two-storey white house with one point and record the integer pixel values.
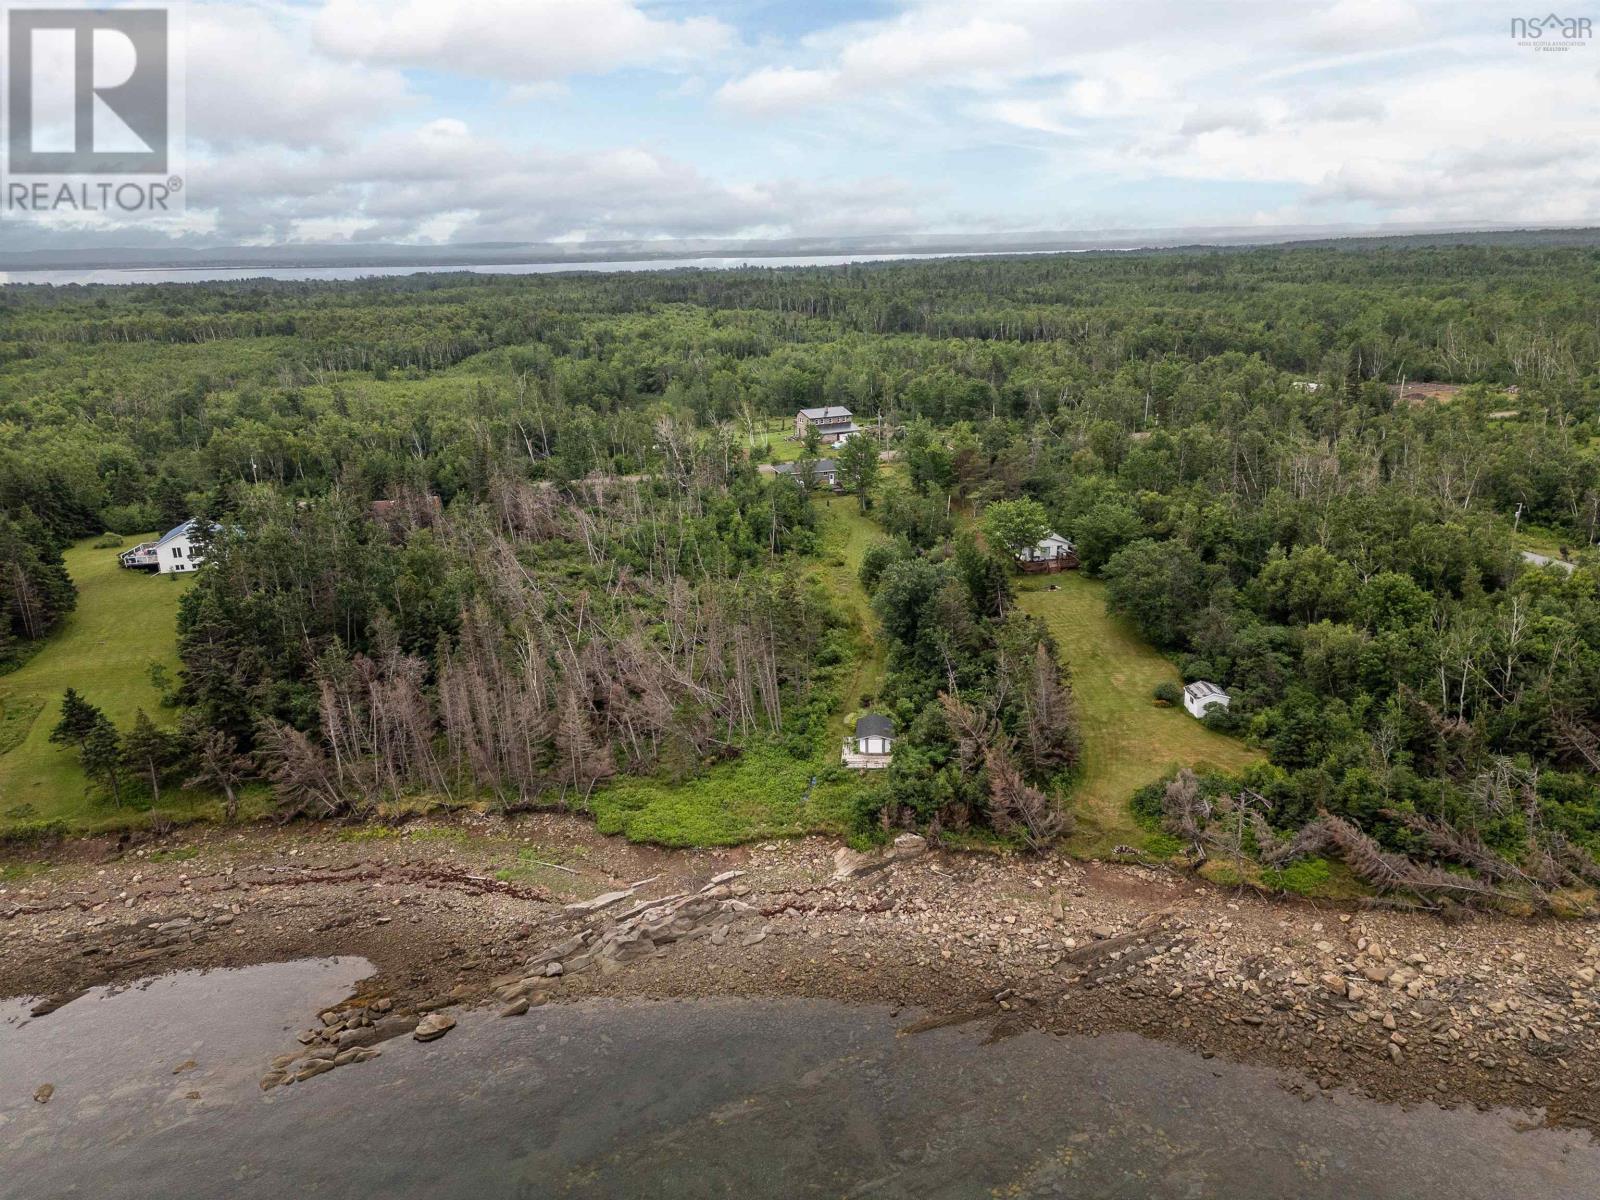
(176, 550)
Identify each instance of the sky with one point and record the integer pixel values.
(418, 121)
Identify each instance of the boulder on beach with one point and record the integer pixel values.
(433, 1026)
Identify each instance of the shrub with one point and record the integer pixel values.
(877, 559)
(1168, 692)
(1303, 878)
(106, 541)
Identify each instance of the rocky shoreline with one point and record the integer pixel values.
(1493, 1011)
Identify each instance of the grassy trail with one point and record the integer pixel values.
(1128, 740)
(125, 620)
(847, 533)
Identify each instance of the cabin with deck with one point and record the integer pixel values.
(872, 744)
(1053, 553)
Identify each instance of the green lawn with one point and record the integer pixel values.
(779, 441)
(125, 620)
(1128, 739)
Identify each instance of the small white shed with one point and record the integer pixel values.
(1201, 696)
(872, 744)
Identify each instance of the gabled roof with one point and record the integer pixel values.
(179, 530)
(175, 531)
(874, 725)
(1202, 689)
(833, 412)
(822, 466)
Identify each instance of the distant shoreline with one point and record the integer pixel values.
(379, 260)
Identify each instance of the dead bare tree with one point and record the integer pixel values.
(1016, 808)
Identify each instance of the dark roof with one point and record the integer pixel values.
(874, 725)
(823, 466)
(833, 412)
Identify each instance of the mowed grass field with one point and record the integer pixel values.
(125, 620)
(1128, 739)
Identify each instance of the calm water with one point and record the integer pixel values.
(198, 275)
(721, 1098)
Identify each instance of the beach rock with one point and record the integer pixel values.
(561, 949)
(311, 1070)
(604, 900)
(396, 1025)
(553, 969)
(851, 864)
(909, 845)
(516, 1008)
(363, 1036)
(433, 1026)
(273, 1079)
(43, 1092)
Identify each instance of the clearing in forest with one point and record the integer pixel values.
(124, 622)
(1129, 739)
(846, 534)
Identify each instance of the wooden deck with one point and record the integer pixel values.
(861, 762)
(1048, 566)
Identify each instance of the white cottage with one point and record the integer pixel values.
(176, 551)
(1053, 553)
(872, 744)
(1201, 696)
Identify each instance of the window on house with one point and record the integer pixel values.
(177, 552)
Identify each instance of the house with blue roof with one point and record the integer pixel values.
(172, 552)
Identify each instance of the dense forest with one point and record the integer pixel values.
(586, 576)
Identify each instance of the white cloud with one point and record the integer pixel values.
(519, 41)
(773, 90)
(441, 180)
(909, 52)
(337, 119)
(253, 76)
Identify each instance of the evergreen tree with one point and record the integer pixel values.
(79, 719)
(150, 751)
(101, 757)
(858, 467)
